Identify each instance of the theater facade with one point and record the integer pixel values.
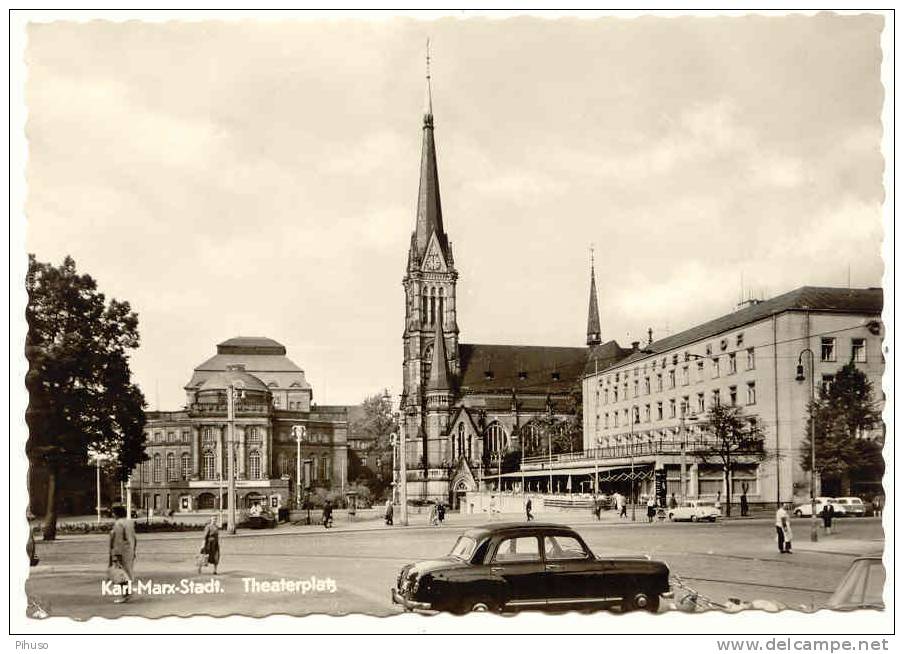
(187, 469)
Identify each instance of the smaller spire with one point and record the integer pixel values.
(428, 100)
(439, 368)
(593, 313)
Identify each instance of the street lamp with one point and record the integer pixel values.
(683, 438)
(235, 391)
(635, 418)
(299, 432)
(814, 527)
(98, 459)
(403, 472)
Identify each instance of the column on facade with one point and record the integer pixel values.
(694, 483)
(265, 453)
(221, 455)
(195, 452)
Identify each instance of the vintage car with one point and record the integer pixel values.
(861, 587)
(508, 567)
(853, 506)
(695, 511)
(805, 510)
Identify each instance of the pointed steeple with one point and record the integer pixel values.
(439, 368)
(429, 210)
(593, 314)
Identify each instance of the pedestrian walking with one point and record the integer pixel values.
(388, 512)
(827, 514)
(440, 512)
(210, 549)
(121, 559)
(528, 506)
(673, 503)
(744, 506)
(718, 502)
(878, 505)
(651, 509)
(622, 506)
(434, 515)
(328, 514)
(783, 529)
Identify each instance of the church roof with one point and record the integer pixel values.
(439, 368)
(526, 368)
(604, 355)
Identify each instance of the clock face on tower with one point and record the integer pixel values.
(432, 262)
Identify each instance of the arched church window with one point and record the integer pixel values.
(531, 436)
(442, 303)
(460, 441)
(497, 438)
(433, 306)
(424, 303)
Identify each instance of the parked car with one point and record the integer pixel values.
(861, 587)
(853, 506)
(804, 510)
(507, 567)
(262, 520)
(695, 511)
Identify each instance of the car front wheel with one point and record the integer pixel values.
(641, 601)
(798, 513)
(693, 518)
(477, 605)
(672, 517)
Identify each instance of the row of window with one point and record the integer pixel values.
(433, 304)
(828, 350)
(668, 381)
(661, 411)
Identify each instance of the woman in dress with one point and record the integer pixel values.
(211, 545)
(123, 545)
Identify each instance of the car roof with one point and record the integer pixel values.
(492, 528)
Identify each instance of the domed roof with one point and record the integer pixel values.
(221, 381)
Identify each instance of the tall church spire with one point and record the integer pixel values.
(429, 210)
(439, 367)
(593, 314)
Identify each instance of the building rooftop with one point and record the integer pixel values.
(238, 378)
(251, 345)
(806, 298)
(526, 368)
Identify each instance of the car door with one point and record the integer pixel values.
(573, 576)
(518, 562)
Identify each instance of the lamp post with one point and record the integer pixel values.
(129, 497)
(299, 432)
(394, 442)
(635, 417)
(98, 458)
(596, 466)
(814, 527)
(232, 393)
(683, 438)
(403, 475)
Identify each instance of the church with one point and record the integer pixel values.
(469, 407)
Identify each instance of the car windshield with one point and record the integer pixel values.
(706, 504)
(842, 501)
(463, 548)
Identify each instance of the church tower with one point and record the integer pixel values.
(430, 340)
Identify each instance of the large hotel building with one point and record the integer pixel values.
(655, 400)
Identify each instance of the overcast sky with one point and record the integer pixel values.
(260, 178)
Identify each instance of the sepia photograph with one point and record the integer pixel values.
(579, 316)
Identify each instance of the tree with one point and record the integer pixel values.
(81, 396)
(730, 436)
(375, 426)
(840, 416)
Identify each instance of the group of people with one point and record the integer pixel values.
(123, 550)
(437, 513)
